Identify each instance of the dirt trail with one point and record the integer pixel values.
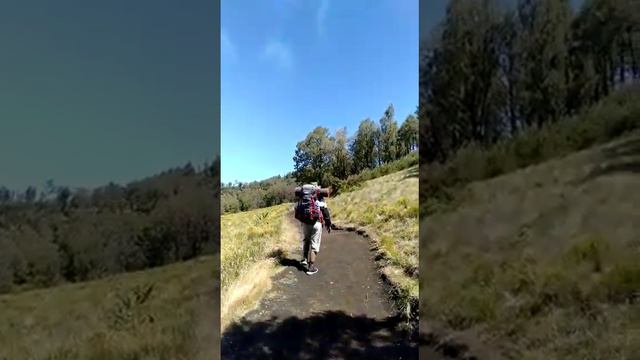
(339, 312)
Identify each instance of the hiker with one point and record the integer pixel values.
(313, 212)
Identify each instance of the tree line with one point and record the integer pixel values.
(258, 194)
(69, 235)
(490, 71)
(330, 160)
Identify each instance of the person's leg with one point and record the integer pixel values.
(306, 243)
(305, 252)
(316, 235)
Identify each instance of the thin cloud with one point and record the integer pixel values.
(322, 16)
(228, 48)
(279, 52)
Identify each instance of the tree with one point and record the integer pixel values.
(188, 169)
(42, 263)
(363, 148)
(5, 195)
(230, 203)
(432, 145)
(30, 194)
(143, 199)
(603, 33)
(544, 43)
(12, 265)
(377, 147)
(388, 136)
(509, 72)
(62, 199)
(408, 136)
(111, 197)
(81, 198)
(50, 190)
(341, 162)
(459, 100)
(252, 198)
(313, 156)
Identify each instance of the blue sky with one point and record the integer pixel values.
(291, 65)
(99, 91)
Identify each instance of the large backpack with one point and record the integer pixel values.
(307, 209)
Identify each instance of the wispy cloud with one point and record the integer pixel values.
(228, 48)
(321, 16)
(280, 53)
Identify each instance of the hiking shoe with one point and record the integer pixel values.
(312, 270)
(304, 262)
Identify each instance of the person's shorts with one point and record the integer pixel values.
(313, 235)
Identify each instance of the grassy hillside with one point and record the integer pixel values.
(542, 262)
(163, 313)
(388, 208)
(248, 242)
(76, 235)
(443, 184)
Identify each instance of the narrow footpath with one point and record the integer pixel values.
(341, 312)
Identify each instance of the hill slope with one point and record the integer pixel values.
(386, 207)
(163, 313)
(542, 262)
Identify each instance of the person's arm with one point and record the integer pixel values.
(327, 217)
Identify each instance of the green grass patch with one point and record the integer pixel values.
(535, 305)
(356, 182)
(247, 237)
(163, 313)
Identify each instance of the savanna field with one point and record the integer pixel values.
(529, 119)
(248, 240)
(531, 246)
(116, 272)
(386, 206)
(162, 313)
(538, 265)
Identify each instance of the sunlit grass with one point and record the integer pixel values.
(162, 313)
(580, 303)
(247, 240)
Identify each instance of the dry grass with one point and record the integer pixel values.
(249, 240)
(542, 263)
(388, 208)
(162, 313)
